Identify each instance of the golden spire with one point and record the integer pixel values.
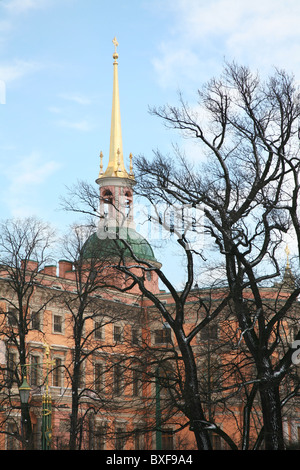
(287, 251)
(115, 167)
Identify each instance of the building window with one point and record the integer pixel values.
(209, 333)
(12, 368)
(136, 382)
(298, 434)
(120, 438)
(81, 377)
(216, 442)
(100, 437)
(12, 317)
(99, 330)
(135, 336)
(108, 200)
(163, 336)
(99, 376)
(35, 371)
(128, 202)
(57, 324)
(12, 443)
(167, 380)
(117, 379)
(57, 378)
(117, 334)
(139, 439)
(167, 440)
(61, 439)
(36, 320)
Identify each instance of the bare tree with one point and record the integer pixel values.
(247, 186)
(92, 308)
(25, 249)
(247, 131)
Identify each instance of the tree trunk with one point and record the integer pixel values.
(73, 419)
(75, 402)
(201, 434)
(77, 329)
(193, 405)
(272, 419)
(27, 437)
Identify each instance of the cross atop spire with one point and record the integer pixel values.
(115, 42)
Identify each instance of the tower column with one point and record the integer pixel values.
(116, 195)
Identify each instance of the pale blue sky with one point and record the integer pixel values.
(56, 64)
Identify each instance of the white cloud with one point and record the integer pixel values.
(54, 110)
(18, 69)
(20, 6)
(76, 98)
(82, 125)
(260, 33)
(197, 18)
(5, 26)
(179, 62)
(24, 179)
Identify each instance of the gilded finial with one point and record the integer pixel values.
(101, 163)
(130, 165)
(119, 162)
(115, 43)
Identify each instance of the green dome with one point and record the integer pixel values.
(108, 247)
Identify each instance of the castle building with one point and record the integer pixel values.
(87, 362)
(103, 364)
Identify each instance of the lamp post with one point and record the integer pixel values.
(47, 408)
(24, 391)
(158, 411)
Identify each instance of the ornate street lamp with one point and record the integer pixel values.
(24, 391)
